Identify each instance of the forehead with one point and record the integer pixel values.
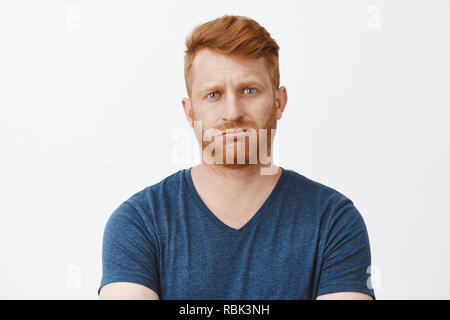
(213, 67)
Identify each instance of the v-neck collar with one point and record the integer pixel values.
(210, 215)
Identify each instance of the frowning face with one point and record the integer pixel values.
(230, 92)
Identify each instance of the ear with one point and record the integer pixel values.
(281, 100)
(187, 107)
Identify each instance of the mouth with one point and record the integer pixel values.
(234, 131)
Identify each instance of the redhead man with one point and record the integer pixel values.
(235, 226)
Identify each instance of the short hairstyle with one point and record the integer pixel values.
(233, 35)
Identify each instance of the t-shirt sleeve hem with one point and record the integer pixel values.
(134, 279)
(345, 288)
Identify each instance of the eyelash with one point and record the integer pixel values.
(207, 96)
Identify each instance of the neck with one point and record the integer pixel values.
(237, 182)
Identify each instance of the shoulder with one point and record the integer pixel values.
(332, 212)
(164, 190)
(312, 192)
(141, 207)
(325, 204)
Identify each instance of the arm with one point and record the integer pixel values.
(129, 256)
(345, 296)
(127, 291)
(346, 255)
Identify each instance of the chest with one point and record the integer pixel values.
(234, 213)
(254, 266)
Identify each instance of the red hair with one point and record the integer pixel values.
(233, 35)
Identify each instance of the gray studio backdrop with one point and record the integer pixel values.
(90, 113)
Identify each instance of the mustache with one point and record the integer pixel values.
(221, 130)
(237, 126)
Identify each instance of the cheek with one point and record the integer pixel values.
(267, 115)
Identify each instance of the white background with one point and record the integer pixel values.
(90, 100)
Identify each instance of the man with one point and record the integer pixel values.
(232, 227)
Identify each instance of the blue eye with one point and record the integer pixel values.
(250, 89)
(209, 94)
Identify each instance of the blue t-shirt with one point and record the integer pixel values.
(306, 240)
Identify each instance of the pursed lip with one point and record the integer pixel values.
(234, 130)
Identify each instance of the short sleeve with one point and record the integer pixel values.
(346, 256)
(129, 249)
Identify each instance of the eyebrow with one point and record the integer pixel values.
(214, 87)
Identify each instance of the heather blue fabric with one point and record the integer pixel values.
(306, 240)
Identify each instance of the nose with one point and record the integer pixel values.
(232, 108)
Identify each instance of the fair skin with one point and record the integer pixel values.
(229, 92)
(127, 291)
